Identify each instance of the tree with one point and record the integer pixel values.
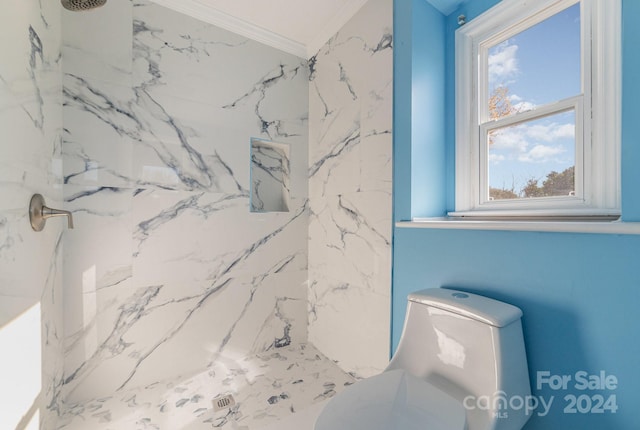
(560, 184)
(532, 189)
(502, 194)
(499, 106)
(556, 184)
(500, 103)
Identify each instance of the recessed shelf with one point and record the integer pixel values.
(270, 176)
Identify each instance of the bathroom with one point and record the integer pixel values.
(139, 119)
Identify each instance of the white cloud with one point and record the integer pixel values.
(541, 154)
(503, 63)
(524, 106)
(536, 143)
(551, 132)
(510, 138)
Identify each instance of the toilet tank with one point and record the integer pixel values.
(471, 347)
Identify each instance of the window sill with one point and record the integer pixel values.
(594, 227)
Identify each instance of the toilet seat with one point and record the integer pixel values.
(392, 400)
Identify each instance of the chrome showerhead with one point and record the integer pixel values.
(80, 5)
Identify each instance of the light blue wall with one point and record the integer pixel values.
(419, 73)
(630, 110)
(579, 292)
(428, 103)
(402, 42)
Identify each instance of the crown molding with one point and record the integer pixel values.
(200, 10)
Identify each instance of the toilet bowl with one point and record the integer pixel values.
(455, 348)
(393, 400)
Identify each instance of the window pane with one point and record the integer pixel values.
(537, 66)
(533, 159)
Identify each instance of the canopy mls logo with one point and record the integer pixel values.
(500, 403)
(595, 397)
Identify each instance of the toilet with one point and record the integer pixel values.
(460, 365)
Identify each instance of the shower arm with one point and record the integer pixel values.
(39, 213)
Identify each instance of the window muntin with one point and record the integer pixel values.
(582, 101)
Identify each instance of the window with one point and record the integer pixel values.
(537, 110)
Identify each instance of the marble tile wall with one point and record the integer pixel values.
(30, 263)
(350, 148)
(167, 270)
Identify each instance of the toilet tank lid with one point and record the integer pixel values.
(480, 308)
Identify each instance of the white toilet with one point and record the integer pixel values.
(460, 364)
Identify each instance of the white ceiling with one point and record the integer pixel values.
(299, 27)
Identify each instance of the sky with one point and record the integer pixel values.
(538, 66)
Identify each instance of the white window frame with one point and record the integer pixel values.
(597, 111)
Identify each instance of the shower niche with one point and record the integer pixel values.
(270, 176)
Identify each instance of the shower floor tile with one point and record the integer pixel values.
(267, 388)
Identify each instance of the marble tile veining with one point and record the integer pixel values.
(267, 387)
(167, 259)
(350, 150)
